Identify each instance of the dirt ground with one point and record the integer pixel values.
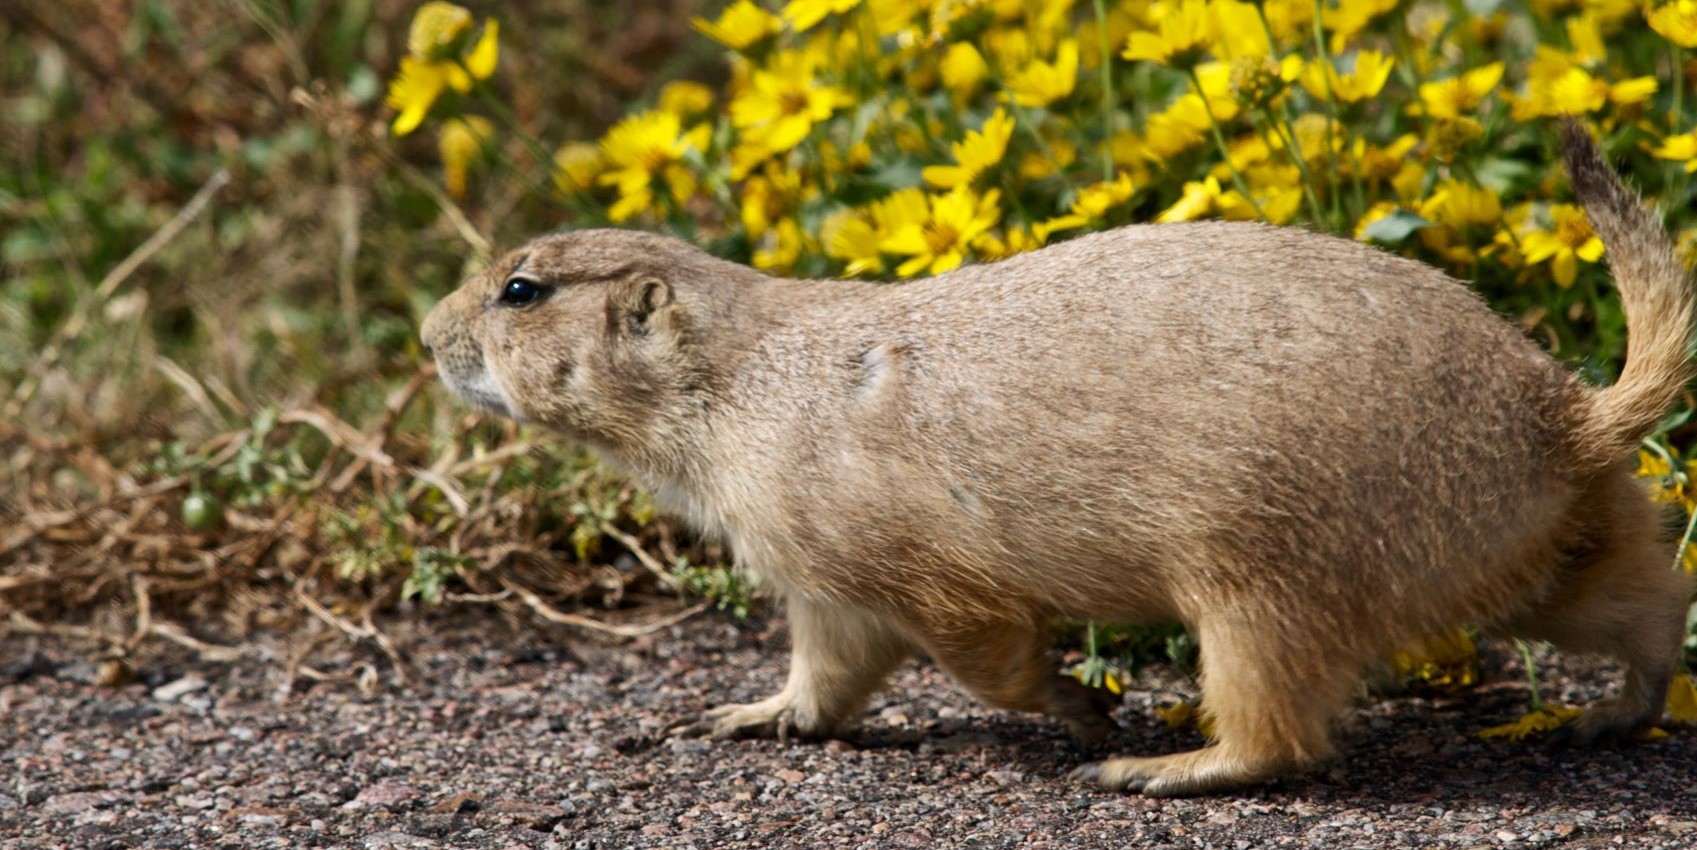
(519, 737)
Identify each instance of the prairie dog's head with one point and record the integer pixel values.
(605, 335)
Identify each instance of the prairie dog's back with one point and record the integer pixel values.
(1137, 393)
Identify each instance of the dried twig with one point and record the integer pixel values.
(635, 546)
(209, 651)
(73, 327)
(554, 615)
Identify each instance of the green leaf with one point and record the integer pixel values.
(1396, 227)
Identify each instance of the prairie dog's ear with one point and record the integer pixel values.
(638, 305)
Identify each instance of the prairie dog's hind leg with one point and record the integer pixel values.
(1271, 696)
(1621, 597)
(1008, 666)
(840, 655)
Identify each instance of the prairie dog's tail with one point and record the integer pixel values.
(1656, 293)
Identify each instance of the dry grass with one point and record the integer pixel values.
(216, 416)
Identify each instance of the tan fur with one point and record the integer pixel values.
(1306, 450)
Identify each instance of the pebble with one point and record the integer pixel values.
(172, 691)
(382, 794)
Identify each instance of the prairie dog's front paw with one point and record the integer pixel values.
(774, 717)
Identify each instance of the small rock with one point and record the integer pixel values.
(173, 691)
(76, 802)
(464, 802)
(382, 794)
(1505, 836)
(114, 673)
(791, 776)
(396, 841)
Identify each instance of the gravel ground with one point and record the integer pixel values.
(523, 738)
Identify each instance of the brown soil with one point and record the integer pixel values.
(518, 737)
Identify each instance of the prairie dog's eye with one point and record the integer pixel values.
(519, 291)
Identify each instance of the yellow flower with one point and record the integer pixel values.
(1372, 69)
(1447, 139)
(1687, 249)
(1187, 715)
(1532, 723)
(1292, 20)
(783, 246)
(1041, 165)
(461, 141)
(1676, 21)
(1682, 700)
(1383, 163)
(439, 59)
(1462, 205)
(1259, 81)
(575, 166)
(1460, 94)
(1170, 132)
(1095, 200)
(1667, 482)
(643, 147)
(859, 238)
(963, 68)
(740, 26)
(765, 199)
(1563, 247)
(436, 30)
(975, 154)
(782, 103)
(1680, 147)
(685, 98)
(1184, 123)
(940, 243)
(1019, 240)
(1585, 34)
(1350, 17)
(1557, 86)
(851, 238)
(1042, 83)
(1183, 35)
(1196, 202)
(1445, 662)
(805, 14)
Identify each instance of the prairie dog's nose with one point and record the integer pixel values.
(432, 327)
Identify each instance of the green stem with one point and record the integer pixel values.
(510, 121)
(540, 190)
(1294, 149)
(1531, 674)
(1331, 111)
(1220, 142)
(1107, 93)
(1293, 145)
(1680, 174)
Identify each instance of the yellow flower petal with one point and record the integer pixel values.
(1531, 723)
(1682, 700)
(415, 88)
(486, 53)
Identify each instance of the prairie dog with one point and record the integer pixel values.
(1305, 449)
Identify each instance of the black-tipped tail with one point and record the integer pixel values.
(1655, 292)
